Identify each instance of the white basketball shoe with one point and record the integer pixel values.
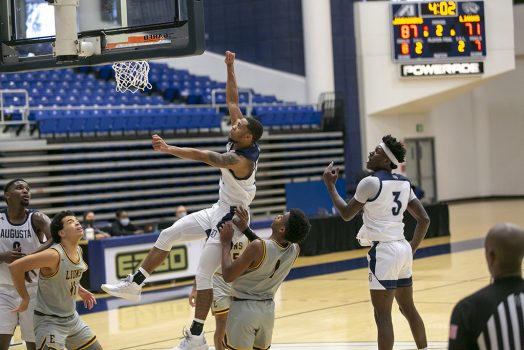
(125, 288)
(193, 342)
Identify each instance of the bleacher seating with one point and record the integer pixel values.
(127, 174)
(85, 101)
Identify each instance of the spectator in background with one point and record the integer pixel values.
(122, 226)
(180, 212)
(89, 222)
(149, 228)
(492, 317)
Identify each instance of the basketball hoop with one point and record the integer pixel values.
(131, 76)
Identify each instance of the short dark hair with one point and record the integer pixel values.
(119, 212)
(57, 225)
(297, 226)
(11, 183)
(396, 147)
(8, 185)
(255, 128)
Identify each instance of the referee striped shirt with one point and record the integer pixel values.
(492, 318)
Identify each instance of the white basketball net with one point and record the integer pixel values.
(131, 76)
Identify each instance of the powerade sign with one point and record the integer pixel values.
(441, 69)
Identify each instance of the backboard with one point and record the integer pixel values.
(113, 30)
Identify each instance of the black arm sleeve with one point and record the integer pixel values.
(250, 234)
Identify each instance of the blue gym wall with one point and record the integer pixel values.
(269, 33)
(263, 32)
(346, 83)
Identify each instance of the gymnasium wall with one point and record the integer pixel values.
(267, 32)
(476, 122)
(286, 86)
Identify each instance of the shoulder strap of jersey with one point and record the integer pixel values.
(252, 152)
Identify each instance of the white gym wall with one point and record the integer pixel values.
(477, 122)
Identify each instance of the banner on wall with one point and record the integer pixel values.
(441, 69)
(181, 262)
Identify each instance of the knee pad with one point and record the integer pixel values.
(164, 241)
(167, 238)
(203, 280)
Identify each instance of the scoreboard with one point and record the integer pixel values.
(438, 31)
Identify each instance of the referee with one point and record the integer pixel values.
(493, 317)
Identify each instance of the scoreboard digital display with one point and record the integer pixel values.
(438, 30)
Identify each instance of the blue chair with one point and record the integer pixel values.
(105, 124)
(146, 122)
(63, 125)
(119, 123)
(75, 124)
(92, 124)
(47, 126)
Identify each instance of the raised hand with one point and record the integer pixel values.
(330, 174)
(230, 58)
(241, 218)
(159, 144)
(226, 233)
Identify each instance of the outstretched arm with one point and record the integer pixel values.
(251, 257)
(227, 160)
(47, 261)
(346, 210)
(232, 89)
(241, 220)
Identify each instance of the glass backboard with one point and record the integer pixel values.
(119, 30)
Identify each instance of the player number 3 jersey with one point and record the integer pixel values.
(386, 197)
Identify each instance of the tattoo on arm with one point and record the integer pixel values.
(225, 159)
(229, 159)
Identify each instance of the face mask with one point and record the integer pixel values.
(182, 214)
(124, 222)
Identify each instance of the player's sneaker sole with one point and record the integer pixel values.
(132, 297)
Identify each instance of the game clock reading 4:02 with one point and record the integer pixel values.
(438, 30)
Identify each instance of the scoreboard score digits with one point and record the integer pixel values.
(438, 30)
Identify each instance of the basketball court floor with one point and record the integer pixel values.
(330, 311)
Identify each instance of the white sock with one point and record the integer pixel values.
(144, 272)
(423, 349)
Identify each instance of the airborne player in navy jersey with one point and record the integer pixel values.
(22, 231)
(238, 167)
(384, 197)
